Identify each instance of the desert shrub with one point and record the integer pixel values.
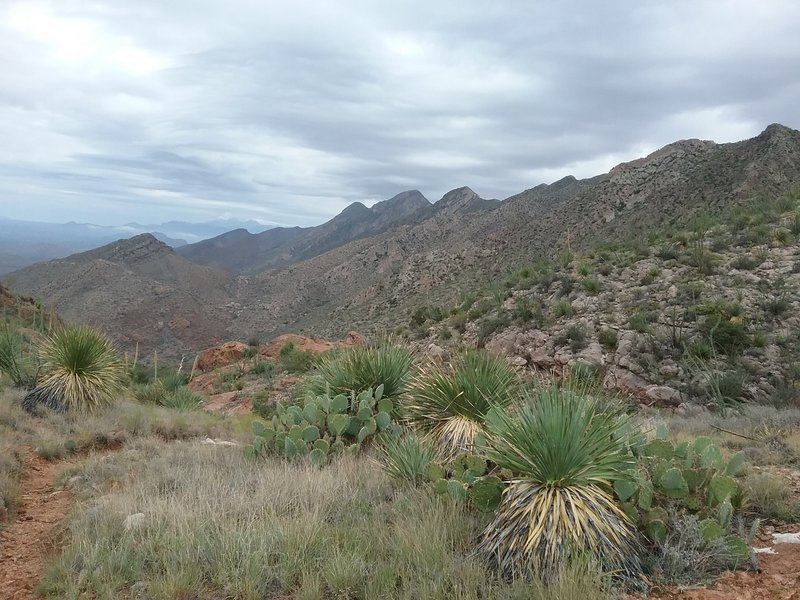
(295, 360)
(770, 497)
(423, 314)
(459, 322)
(490, 325)
(250, 352)
(479, 308)
(592, 285)
(527, 310)
(686, 555)
(81, 371)
(445, 333)
(21, 369)
(448, 403)
(726, 335)
(575, 336)
(407, 458)
(561, 452)
(263, 367)
(607, 338)
(640, 321)
(668, 252)
(562, 308)
(583, 376)
(725, 388)
(745, 262)
(358, 368)
(776, 304)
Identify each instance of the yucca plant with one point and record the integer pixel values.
(353, 369)
(407, 458)
(81, 371)
(182, 399)
(564, 453)
(449, 402)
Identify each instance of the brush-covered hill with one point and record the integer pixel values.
(370, 269)
(139, 291)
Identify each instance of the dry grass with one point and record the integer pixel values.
(217, 525)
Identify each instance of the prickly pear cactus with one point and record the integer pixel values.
(693, 477)
(324, 426)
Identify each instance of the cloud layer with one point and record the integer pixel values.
(192, 109)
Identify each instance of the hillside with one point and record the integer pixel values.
(139, 291)
(370, 269)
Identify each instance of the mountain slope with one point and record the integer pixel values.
(365, 270)
(139, 290)
(242, 253)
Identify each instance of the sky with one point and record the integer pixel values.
(114, 111)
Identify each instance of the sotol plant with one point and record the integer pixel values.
(357, 368)
(81, 371)
(564, 454)
(449, 403)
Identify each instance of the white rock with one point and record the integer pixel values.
(134, 521)
(209, 441)
(767, 550)
(786, 538)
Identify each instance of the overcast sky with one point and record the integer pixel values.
(148, 110)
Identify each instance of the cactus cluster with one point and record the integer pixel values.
(690, 476)
(323, 426)
(468, 477)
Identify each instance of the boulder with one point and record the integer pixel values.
(221, 356)
(663, 395)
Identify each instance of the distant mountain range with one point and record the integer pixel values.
(369, 268)
(24, 243)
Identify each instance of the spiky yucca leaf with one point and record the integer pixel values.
(407, 458)
(564, 453)
(82, 370)
(449, 402)
(358, 368)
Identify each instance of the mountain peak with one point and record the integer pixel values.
(462, 200)
(144, 246)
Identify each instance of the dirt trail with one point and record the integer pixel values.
(31, 538)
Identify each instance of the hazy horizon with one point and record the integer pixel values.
(157, 111)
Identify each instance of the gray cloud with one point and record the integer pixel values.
(148, 111)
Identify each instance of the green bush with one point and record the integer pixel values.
(263, 367)
(562, 308)
(295, 360)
